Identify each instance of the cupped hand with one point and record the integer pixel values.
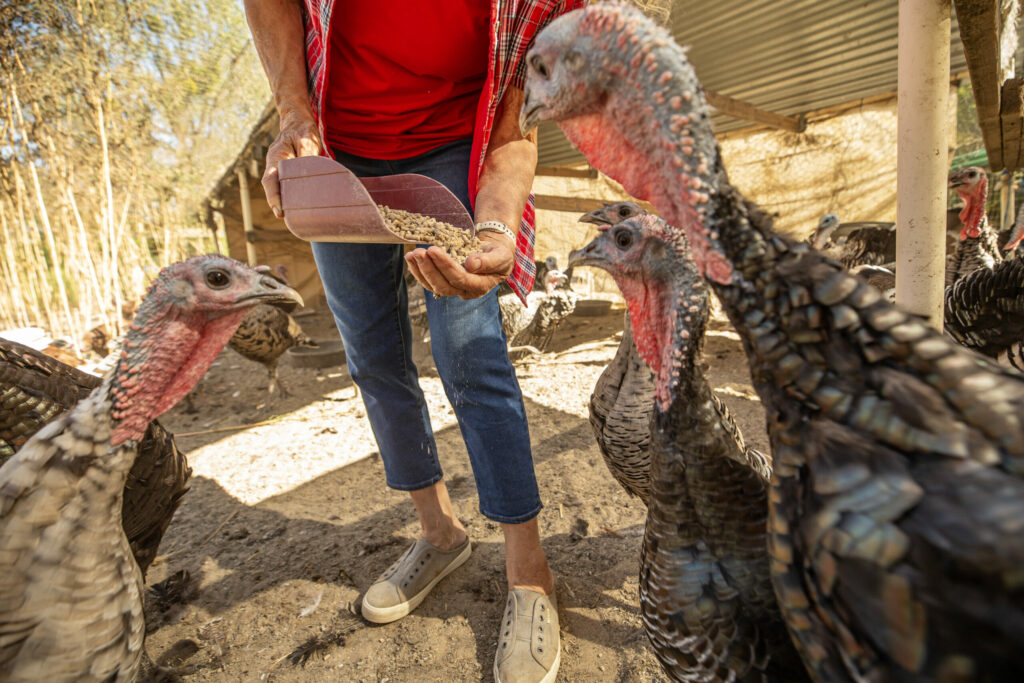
(438, 272)
(299, 137)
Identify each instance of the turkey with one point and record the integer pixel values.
(896, 497)
(855, 244)
(705, 591)
(622, 402)
(35, 389)
(264, 334)
(70, 592)
(612, 213)
(984, 310)
(978, 247)
(534, 325)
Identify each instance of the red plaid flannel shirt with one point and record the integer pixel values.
(514, 23)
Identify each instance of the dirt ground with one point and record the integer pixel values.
(286, 524)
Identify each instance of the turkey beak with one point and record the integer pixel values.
(595, 217)
(529, 114)
(587, 256)
(270, 290)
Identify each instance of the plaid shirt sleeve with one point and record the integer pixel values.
(517, 25)
(514, 25)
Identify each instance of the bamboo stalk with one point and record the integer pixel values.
(11, 271)
(44, 217)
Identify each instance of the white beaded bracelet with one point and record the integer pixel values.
(495, 226)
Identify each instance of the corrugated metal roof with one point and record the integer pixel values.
(788, 57)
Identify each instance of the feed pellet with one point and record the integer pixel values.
(426, 230)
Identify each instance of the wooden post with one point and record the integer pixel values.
(921, 156)
(243, 188)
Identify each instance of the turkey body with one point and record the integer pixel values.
(984, 310)
(265, 333)
(71, 591)
(621, 407)
(98, 635)
(705, 591)
(896, 495)
(869, 244)
(35, 389)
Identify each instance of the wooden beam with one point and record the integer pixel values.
(739, 109)
(979, 33)
(575, 204)
(1011, 107)
(560, 172)
(243, 191)
(261, 235)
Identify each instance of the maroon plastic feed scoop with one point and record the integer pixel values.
(325, 202)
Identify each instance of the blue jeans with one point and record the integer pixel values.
(367, 294)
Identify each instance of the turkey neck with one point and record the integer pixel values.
(653, 134)
(165, 353)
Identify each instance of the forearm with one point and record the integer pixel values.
(507, 174)
(276, 27)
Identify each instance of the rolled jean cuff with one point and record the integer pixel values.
(414, 487)
(513, 520)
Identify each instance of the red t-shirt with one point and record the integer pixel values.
(404, 76)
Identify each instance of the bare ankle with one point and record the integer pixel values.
(446, 539)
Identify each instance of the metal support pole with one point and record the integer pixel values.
(921, 157)
(243, 189)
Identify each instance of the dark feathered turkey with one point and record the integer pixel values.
(622, 403)
(978, 246)
(265, 333)
(35, 389)
(896, 506)
(705, 591)
(984, 310)
(70, 590)
(621, 406)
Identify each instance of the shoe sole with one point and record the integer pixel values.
(385, 615)
(552, 673)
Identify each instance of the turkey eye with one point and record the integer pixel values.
(538, 66)
(218, 279)
(624, 212)
(623, 239)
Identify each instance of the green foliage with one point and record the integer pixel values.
(126, 113)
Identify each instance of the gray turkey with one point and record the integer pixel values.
(534, 324)
(622, 402)
(705, 591)
(855, 244)
(35, 389)
(896, 498)
(978, 246)
(70, 592)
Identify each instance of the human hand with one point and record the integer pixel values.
(438, 272)
(299, 137)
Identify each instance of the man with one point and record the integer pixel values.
(430, 87)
